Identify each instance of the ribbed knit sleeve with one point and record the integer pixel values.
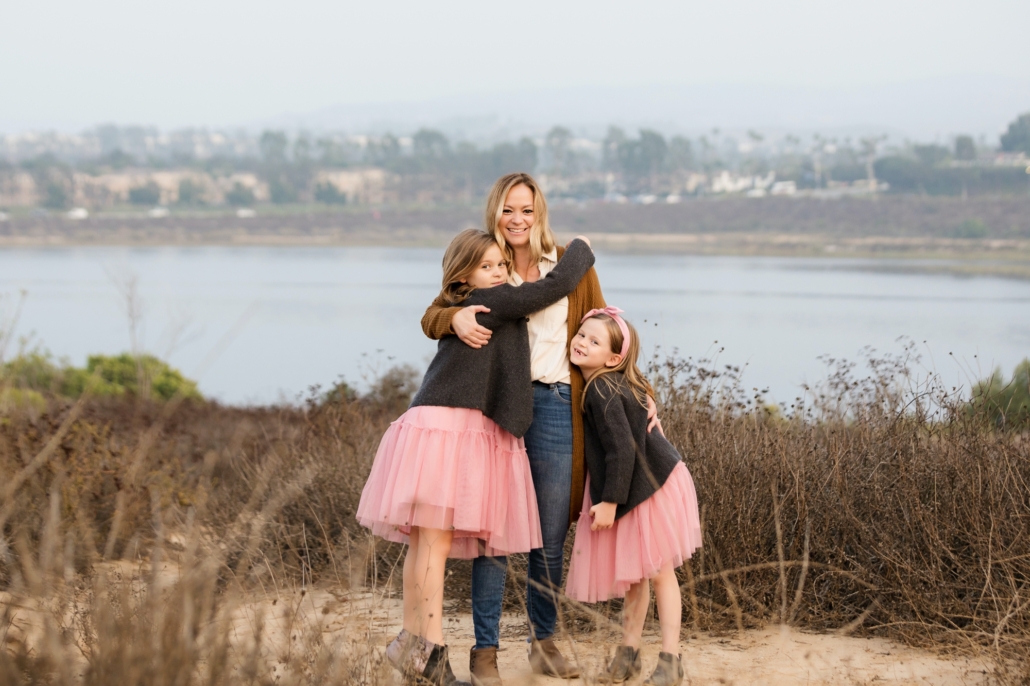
(436, 322)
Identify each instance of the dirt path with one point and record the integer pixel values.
(773, 656)
(291, 621)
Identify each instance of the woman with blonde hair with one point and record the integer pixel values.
(516, 215)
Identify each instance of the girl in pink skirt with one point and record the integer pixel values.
(451, 477)
(640, 519)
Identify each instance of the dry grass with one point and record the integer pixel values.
(876, 505)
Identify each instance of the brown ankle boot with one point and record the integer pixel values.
(483, 666)
(546, 659)
(668, 671)
(625, 665)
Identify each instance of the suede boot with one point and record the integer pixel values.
(546, 659)
(624, 666)
(483, 667)
(438, 670)
(668, 671)
(404, 652)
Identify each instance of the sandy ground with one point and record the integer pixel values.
(774, 656)
(365, 621)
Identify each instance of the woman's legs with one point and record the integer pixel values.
(423, 582)
(549, 446)
(670, 608)
(488, 574)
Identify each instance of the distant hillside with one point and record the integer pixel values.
(907, 216)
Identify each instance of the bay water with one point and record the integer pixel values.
(258, 325)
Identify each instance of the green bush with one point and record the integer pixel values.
(17, 399)
(971, 228)
(190, 192)
(240, 196)
(56, 197)
(149, 194)
(329, 194)
(1006, 404)
(104, 375)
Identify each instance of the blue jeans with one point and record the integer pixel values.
(549, 445)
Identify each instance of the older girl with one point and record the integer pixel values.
(451, 476)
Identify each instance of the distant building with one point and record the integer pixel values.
(18, 189)
(361, 186)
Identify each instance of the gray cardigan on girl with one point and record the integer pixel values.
(495, 379)
(626, 463)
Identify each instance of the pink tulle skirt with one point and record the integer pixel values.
(452, 468)
(663, 530)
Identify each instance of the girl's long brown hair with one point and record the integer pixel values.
(628, 366)
(541, 238)
(461, 258)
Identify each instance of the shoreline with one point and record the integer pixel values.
(1007, 258)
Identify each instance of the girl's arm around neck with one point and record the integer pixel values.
(514, 302)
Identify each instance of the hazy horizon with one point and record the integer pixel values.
(922, 70)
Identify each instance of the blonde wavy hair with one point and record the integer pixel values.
(461, 258)
(627, 366)
(541, 238)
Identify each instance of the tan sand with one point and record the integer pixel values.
(292, 621)
(774, 656)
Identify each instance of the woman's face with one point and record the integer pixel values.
(517, 216)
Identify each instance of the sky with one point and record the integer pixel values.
(68, 64)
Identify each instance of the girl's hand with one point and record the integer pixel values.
(582, 238)
(604, 516)
(652, 417)
(468, 329)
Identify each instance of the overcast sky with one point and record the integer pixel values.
(70, 63)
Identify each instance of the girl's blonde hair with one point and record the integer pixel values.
(460, 260)
(541, 238)
(628, 365)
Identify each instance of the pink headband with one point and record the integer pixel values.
(612, 312)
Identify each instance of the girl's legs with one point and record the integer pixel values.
(423, 582)
(410, 594)
(670, 608)
(634, 612)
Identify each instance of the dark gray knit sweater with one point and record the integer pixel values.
(496, 379)
(626, 464)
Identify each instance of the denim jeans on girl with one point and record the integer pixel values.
(549, 445)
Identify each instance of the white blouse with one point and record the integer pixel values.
(548, 332)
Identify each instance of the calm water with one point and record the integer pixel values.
(261, 324)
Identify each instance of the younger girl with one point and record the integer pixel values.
(639, 520)
(451, 477)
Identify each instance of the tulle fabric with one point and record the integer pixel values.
(452, 468)
(664, 529)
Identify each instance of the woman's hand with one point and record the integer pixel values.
(468, 329)
(604, 516)
(582, 238)
(652, 417)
